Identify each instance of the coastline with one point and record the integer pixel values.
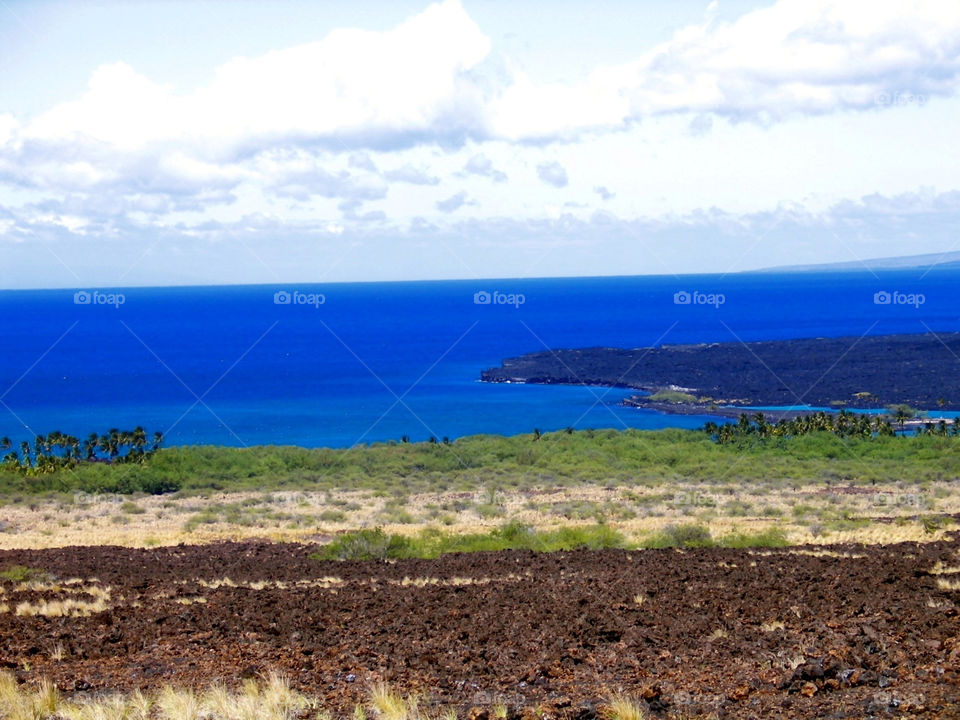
(917, 370)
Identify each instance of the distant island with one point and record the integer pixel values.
(921, 371)
(904, 262)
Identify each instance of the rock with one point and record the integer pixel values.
(651, 692)
(478, 713)
(808, 689)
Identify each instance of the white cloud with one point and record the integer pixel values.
(354, 86)
(410, 174)
(367, 123)
(452, 203)
(362, 161)
(8, 124)
(803, 56)
(480, 164)
(553, 173)
(417, 82)
(794, 57)
(300, 175)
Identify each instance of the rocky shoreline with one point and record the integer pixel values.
(919, 370)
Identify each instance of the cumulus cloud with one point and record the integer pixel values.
(553, 173)
(362, 161)
(300, 175)
(412, 175)
(301, 123)
(419, 82)
(481, 165)
(794, 57)
(452, 203)
(700, 125)
(354, 86)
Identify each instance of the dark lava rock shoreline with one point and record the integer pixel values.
(920, 370)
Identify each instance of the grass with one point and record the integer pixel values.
(21, 573)
(622, 707)
(388, 705)
(698, 536)
(61, 608)
(269, 699)
(430, 543)
(481, 461)
(824, 512)
(673, 396)
(376, 544)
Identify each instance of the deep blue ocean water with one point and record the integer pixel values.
(376, 361)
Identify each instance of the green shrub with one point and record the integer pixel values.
(21, 573)
(673, 396)
(430, 543)
(682, 536)
(770, 538)
(372, 544)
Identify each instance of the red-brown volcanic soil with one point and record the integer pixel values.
(692, 633)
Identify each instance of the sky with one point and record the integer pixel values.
(212, 142)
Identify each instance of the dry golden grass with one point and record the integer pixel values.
(718, 634)
(190, 600)
(772, 626)
(621, 707)
(945, 584)
(455, 581)
(64, 607)
(940, 569)
(826, 553)
(61, 608)
(803, 512)
(389, 705)
(42, 702)
(271, 699)
(323, 582)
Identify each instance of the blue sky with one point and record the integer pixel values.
(155, 143)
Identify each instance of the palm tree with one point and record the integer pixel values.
(761, 422)
(901, 417)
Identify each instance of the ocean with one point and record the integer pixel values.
(338, 364)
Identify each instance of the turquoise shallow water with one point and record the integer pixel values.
(344, 363)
